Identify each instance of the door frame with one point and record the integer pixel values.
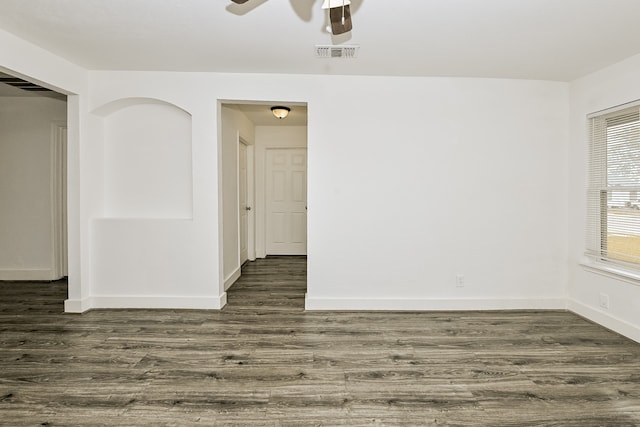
(250, 179)
(257, 155)
(58, 191)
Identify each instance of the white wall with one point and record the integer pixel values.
(415, 180)
(467, 177)
(609, 87)
(147, 210)
(26, 228)
(148, 171)
(163, 256)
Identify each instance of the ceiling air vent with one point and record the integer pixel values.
(347, 52)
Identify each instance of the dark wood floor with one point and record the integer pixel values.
(264, 361)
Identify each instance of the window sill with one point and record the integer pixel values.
(613, 271)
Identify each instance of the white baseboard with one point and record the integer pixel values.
(145, 302)
(402, 304)
(232, 278)
(222, 301)
(605, 319)
(77, 305)
(27, 274)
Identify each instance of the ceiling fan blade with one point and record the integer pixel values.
(239, 1)
(340, 19)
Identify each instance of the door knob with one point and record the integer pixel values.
(248, 208)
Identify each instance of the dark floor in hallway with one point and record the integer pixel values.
(264, 361)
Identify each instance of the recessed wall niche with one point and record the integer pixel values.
(148, 160)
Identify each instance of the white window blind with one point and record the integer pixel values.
(613, 194)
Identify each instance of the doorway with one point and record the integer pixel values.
(33, 167)
(249, 133)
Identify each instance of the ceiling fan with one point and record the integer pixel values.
(339, 14)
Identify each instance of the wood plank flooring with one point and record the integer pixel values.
(264, 361)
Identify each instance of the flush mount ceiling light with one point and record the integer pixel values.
(339, 15)
(280, 112)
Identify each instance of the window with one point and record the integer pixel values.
(613, 195)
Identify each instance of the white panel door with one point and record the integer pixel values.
(243, 206)
(286, 200)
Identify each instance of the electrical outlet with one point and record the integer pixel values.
(460, 281)
(604, 301)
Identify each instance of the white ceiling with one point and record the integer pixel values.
(533, 39)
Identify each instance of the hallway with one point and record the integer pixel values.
(277, 283)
